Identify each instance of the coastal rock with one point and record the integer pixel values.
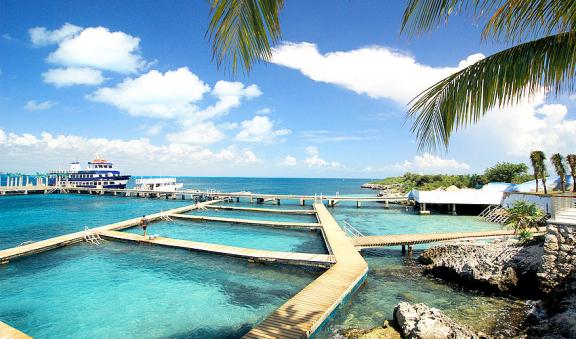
(384, 332)
(559, 259)
(421, 321)
(501, 266)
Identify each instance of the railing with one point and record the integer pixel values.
(92, 238)
(351, 231)
(561, 203)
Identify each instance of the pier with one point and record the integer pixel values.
(262, 210)
(8, 332)
(308, 310)
(292, 258)
(280, 224)
(373, 241)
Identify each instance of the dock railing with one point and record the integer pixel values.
(561, 203)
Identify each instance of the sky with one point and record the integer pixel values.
(134, 82)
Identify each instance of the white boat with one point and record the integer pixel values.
(158, 184)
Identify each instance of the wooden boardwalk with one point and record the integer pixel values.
(71, 238)
(281, 224)
(413, 239)
(293, 258)
(304, 313)
(9, 332)
(263, 210)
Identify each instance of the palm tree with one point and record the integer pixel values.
(535, 157)
(543, 172)
(558, 162)
(524, 215)
(571, 159)
(245, 31)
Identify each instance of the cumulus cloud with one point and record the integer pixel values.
(313, 159)
(376, 71)
(40, 36)
(98, 47)
(38, 151)
(154, 94)
(198, 134)
(32, 105)
(260, 129)
(264, 111)
(426, 163)
(529, 125)
(289, 161)
(62, 77)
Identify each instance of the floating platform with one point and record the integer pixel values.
(307, 311)
(280, 224)
(293, 258)
(9, 332)
(263, 210)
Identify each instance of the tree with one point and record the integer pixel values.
(536, 159)
(505, 172)
(244, 31)
(524, 216)
(543, 172)
(558, 162)
(571, 159)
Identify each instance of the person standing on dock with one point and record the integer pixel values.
(144, 224)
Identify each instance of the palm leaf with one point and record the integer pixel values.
(243, 31)
(499, 80)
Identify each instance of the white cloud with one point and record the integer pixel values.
(94, 47)
(32, 105)
(376, 71)
(331, 136)
(431, 164)
(47, 149)
(313, 159)
(289, 161)
(157, 95)
(264, 111)
(197, 134)
(61, 77)
(529, 125)
(40, 36)
(260, 129)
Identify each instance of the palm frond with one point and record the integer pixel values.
(517, 20)
(243, 32)
(499, 80)
(425, 15)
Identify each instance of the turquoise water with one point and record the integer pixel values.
(310, 218)
(257, 237)
(38, 217)
(121, 290)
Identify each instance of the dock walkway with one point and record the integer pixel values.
(263, 210)
(308, 310)
(373, 241)
(293, 258)
(71, 238)
(9, 332)
(282, 224)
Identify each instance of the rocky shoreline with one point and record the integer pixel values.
(503, 267)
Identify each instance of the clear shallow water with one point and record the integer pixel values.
(38, 217)
(122, 290)
(257, 237)
(390, 281)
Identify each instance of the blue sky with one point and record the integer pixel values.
(134, 82)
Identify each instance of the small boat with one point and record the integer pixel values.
(100, 173)
(158, 184)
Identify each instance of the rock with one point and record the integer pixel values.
(421, 321)
(384, 332)
(501, 266)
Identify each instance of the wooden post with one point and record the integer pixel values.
(386, 204)
(302, 202)
(358, 204)
(403, 249)
(410, 250)
(453, 209)
(237, 199)
(278, 201)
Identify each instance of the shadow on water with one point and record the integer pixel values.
(223, 333)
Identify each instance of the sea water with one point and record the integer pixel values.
(121, 290)
(37, 217)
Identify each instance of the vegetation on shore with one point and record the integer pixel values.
(501, 172)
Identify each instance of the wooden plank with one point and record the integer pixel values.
(294, 258)
(263, 210)
(9, 332)
(282, 224)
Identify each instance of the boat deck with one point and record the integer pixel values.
(294, 258)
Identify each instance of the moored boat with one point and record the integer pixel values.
(100, 173)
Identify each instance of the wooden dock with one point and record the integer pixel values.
(44, 245)
(373, 241)
(279, 224)
(293, 258)
(308, 310)
(17, 190)
(263, 210)
(9, 332)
